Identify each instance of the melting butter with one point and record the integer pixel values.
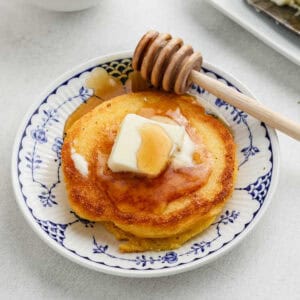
(80, 163)
(123, 157)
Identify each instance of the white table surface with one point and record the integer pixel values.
(36, 46)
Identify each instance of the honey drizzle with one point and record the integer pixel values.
(132, 193)
(154, 151)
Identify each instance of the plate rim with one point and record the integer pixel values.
(122, 272)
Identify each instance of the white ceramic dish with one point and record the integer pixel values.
(40, 193)
(279, 38)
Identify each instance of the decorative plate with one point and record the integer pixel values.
(40, 192)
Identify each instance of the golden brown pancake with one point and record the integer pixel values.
(150, 213)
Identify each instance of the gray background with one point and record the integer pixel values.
(36, 46)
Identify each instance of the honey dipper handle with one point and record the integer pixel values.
(247, 104)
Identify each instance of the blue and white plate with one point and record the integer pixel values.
(40, 192)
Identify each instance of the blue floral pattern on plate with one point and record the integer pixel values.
(42, 189)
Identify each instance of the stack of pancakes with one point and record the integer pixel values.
(150, 213)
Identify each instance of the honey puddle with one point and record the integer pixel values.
(105, 87)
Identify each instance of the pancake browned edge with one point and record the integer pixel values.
(147, 224)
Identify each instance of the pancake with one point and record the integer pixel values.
(150, 213)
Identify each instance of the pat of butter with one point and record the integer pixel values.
(80, 163)
(184, 157)
(123, 157)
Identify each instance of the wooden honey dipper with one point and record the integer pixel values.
(169, 64)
